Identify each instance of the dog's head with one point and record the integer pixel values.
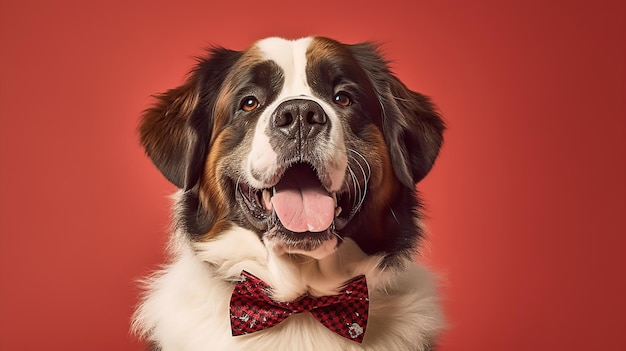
(303, 142)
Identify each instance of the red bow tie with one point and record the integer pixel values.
(252, 309)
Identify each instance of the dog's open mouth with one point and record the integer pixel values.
(298, 208)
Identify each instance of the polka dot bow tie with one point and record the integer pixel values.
(252, 309)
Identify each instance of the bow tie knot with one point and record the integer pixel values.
(252, 309)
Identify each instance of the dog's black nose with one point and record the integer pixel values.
(299, 118)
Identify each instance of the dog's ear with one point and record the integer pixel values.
(412, 127)
(176, 130)
(413, 130)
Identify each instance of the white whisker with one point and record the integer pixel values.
(237, 185)
(366, 176)
(369, 169)
(394, 215)
(354, 183)
(337, 235)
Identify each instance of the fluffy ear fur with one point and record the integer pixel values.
(175, 131)
(412, 127)
(166, 136)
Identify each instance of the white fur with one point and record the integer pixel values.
(186, 304)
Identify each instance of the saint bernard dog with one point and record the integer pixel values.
(296, 163)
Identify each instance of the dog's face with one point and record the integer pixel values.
(303, 142)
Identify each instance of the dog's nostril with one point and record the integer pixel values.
(316, 117)
(283, 119)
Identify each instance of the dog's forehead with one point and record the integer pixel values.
(288, 54)
(297, 59)
(291, 57)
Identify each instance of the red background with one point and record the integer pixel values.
(526, 204)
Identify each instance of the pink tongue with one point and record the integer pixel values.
(301, 203)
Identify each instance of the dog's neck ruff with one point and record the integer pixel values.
(252, 309)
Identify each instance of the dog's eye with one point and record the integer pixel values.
(249, 103)
(342, 99)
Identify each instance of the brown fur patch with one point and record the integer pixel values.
(324, 48)
(163, 128)
(383, 182)
(213, 194)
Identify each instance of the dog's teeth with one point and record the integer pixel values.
(273, 190)
(334, 195)
(267, 199)
(337, 211)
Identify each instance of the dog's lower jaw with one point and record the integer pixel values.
(280, 247)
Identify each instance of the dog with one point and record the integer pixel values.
(296, 163)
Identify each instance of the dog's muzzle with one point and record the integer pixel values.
(299, 200)
(300, 206)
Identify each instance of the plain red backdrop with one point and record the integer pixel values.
(526, 204)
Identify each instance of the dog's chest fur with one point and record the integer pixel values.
(187, 307)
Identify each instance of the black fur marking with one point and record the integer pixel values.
(193, 218)
(411, 124)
